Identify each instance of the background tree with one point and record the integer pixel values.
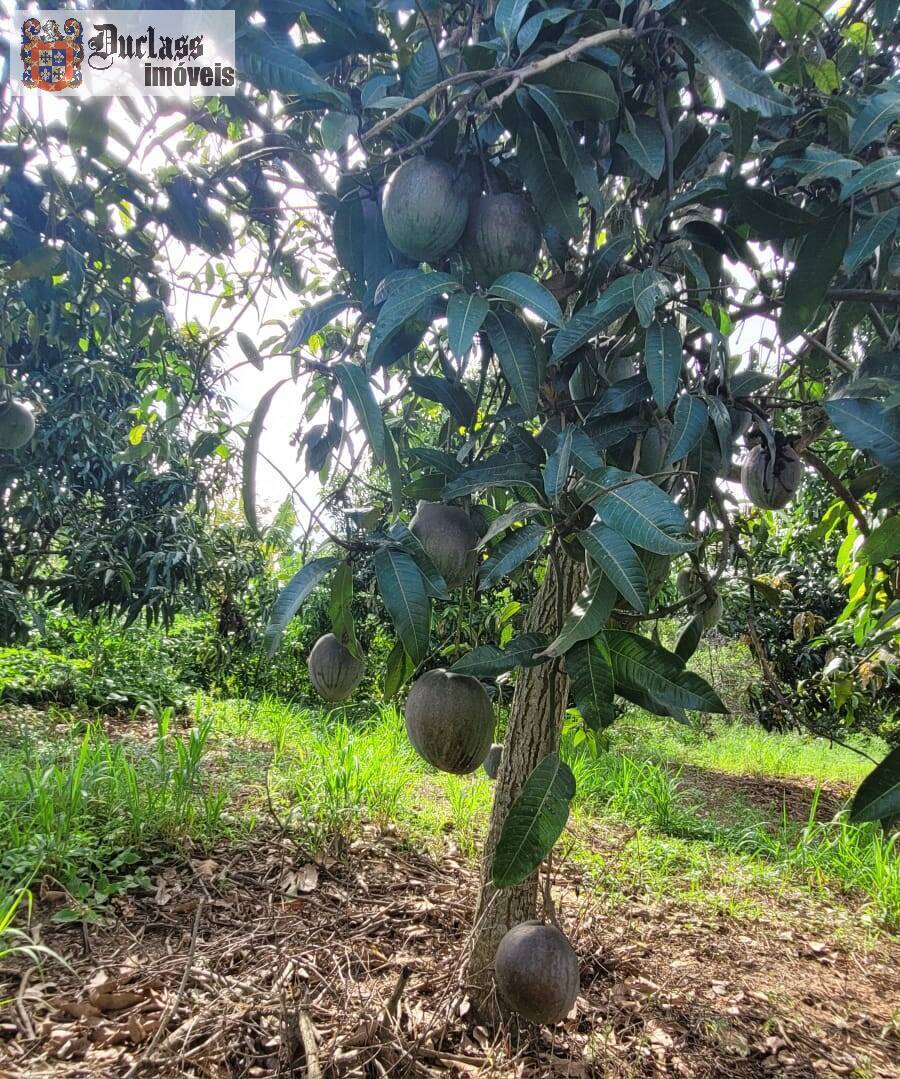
(603, 196)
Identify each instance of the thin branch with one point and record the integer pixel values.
(492, 75)
(605, 37)
(840, 489)
(874, 296)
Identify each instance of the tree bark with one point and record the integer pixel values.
(535, 721)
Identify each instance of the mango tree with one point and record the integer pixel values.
(549, 223)
(567, 276)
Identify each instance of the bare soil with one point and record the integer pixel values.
(769, 795)
(255, 962)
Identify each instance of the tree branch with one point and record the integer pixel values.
(839, 487)
(492, 75)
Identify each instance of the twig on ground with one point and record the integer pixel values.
(310, 1044)
(144, 1060)
(21, 1011)
(393, 1003)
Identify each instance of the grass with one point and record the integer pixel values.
(742, 749)
(90, 814)
(98, 815)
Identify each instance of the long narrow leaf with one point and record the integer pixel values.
(403, 593)
(534, 823)
(251, 454)
(292, 596)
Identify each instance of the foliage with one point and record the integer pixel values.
(690, 168)
(820, 612)
(635, 274)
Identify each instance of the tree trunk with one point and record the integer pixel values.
(535, 721)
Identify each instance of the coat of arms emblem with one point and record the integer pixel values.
(52, 57)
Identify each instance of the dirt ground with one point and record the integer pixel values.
(252, 963)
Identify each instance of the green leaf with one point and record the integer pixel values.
(816, 163)
(339, 608)
(640, 664)
(356, 388)
(886, 13)
(878, 797)
(514, 346)
(398, 669)
(395, 476)
(435, 585)
(818, 260)
(443, 462)
(41, 262)
(743, 128)
(868, 426)
(582, 168)
(883, 543)
(336, 129)
(689, 637)
(407, 299)
(741, 81)
(451, 394)
(507, 475)
(769, 217)
(744, 383)
(511, 552)
(548, 182)
(585, 454)
(402, 589)
(584, 92)
(705, 461)
(621, 396)
(885, 172)
(663, 353)
(424, 69)
(250, 350)
(558, 466)
(521, 511)
(534, 823)
(619, 561)
(291, 597)
(793, 20)
(643, 514)
(587, 617)
(489, 661)
(508, 16)
(270, 65)
(465, 314)
(533, 26)
(251, 454)
(874, 119)
(691, 419)
(611, 305)
(870, 235)
(650, 290)
(524, 291)
(643, 142)
(88, 127)
(591, 682)
(314, 319)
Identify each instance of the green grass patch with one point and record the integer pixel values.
(98, 814)
(744, 749)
